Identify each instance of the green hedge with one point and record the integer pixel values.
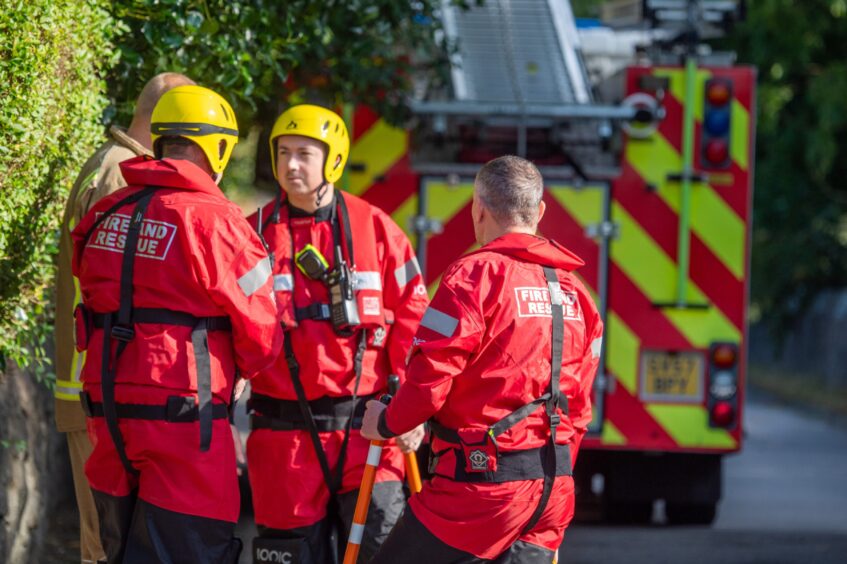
(52, 59)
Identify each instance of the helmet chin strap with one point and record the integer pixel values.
(320, 193)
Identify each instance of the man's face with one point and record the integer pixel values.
(299, 164)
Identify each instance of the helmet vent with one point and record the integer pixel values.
(226, 113)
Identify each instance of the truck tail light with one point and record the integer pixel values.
(722, 400)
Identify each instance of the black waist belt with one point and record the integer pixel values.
(330, 414)
(511, 466)
(178, 409)
(165, 316)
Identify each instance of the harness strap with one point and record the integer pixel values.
(330, 414)
(122, 330)
(512, 466)
(178, 409)
(348, 231)
(203, 363)
(315, 311)
(166, 317)
(552, 403)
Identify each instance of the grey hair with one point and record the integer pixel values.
(511, 188)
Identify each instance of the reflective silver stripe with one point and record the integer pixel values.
(367, 281)
(357, 531)
(555, 293)
(374, 453)
(256, 278)
(439, 322)
(283, 283)
(408, 271)
(72, 390)
(596, 346)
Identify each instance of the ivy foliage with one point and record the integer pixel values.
(52, 59)
(264, 53)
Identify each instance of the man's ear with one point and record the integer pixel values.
(478, 211)
(542, 207)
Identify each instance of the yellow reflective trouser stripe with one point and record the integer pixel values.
(68, 390)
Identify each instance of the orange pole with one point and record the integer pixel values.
(413, 473)
(360, 514)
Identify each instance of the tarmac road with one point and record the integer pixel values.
(784, 500)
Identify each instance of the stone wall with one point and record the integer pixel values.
(34, 467)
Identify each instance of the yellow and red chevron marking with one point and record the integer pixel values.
(642, 260)
(643, 266)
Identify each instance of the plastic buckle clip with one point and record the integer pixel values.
(555, 419)
(123, 333)
(181, 409)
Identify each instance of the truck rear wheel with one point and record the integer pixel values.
(629, 512)
(690, 513)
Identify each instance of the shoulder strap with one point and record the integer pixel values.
(131, 199)
(552, 402)
(344, 220)
(122, 330)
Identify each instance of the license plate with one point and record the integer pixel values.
(672, 376)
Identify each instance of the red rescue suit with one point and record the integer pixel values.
(289, 488)
(199, 270)
(483, 351)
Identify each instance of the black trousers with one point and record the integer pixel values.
(136, 532)
(318, 543)
(411, 543)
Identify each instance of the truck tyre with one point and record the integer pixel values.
(629, 512)
(690, 513)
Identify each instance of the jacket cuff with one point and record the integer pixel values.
(382, 426)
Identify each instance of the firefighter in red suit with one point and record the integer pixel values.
(177, 299)
(502, 368)
(351, 295)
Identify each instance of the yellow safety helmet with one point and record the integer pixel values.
(320, 124)
(200, 115)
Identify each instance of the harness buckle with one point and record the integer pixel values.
(555, 419)
(123, 333)
(181, 409)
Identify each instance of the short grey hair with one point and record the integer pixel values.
(511, 188)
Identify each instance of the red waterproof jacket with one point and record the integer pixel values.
(386, 273)
(196, 254)
(483, 347)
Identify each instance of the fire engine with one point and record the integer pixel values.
(648, 178)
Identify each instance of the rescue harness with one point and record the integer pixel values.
(323, 414)
(478, 447)
(119, 325)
